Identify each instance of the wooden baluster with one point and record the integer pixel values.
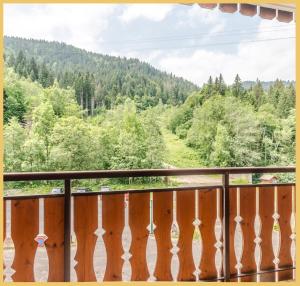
(139, 218)
(285, 210)
(113, 224)
(266, 209)
(162, 218)
(54, 227)
(247, 212)
(85, 225)
(257, 240)
(218, 229)
(8, 243)
(74, 242)
(24, 228)
(197, 240)
(126, 242)
(174, 234)
(208, 215)
(185, 217)
(99, 248)
(276, 233)
(41, 274)
(293, 228)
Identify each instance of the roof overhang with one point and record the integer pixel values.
(281, 12)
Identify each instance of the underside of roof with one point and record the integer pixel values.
(281, 12)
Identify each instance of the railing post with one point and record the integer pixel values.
(67, 230)
(226, 233)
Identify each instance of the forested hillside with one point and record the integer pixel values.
(98, 80)
(114, 113)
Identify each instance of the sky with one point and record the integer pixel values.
(184, 40)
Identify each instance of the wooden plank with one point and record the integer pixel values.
(113, 224)
(54, 229)
(185, 217)
(139, 219)
(85, 224)
(162, 218)
(207, 215)
(4, 233)
(266, 210)
(24, 228)
(232, 215)
(247, 212)
(285, 211)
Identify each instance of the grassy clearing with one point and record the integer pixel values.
(178, 154)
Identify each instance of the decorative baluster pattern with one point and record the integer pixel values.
(151, 249)
(8, 243)
(24, 229)
(293, 235)
(85, 225)
(41, 275)
(218, 236)
(238, 235)
(139, 219)
(197, 240)
(162, 218)
(99, 248)
(113, 224)
(276, 233)
(126, 242)
(257, 240)
(74, 243)
(174, 238)
(54, 227)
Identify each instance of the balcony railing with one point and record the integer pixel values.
(201, 233)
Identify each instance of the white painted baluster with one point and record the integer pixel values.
(151, 256)
(8, 246)
(126, 242)
(73, 242)
(257, 231)
(293, 235)
(197, 240)
(99, 248)
(218, 236)
(238, 235)
(276, 236)
(174, 238)
(40, 273)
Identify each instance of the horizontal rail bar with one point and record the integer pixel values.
(262, 185)
(37, 196)
(66, 175)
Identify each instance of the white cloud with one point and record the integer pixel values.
(77, 24)
(153, 12)
(264, 60)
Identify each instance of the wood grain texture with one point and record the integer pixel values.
(248, 210)
(162, 218)
(266, 210)
(185, 217)
(139, 219)
(24, 228)
(207, 216)
(54, 229)
(285, 211)
(85, 224)
(113, 224)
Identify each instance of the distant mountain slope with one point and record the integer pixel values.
(114, 76)
(265, 84)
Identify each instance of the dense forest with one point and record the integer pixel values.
(68, 109)
(98, 80)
